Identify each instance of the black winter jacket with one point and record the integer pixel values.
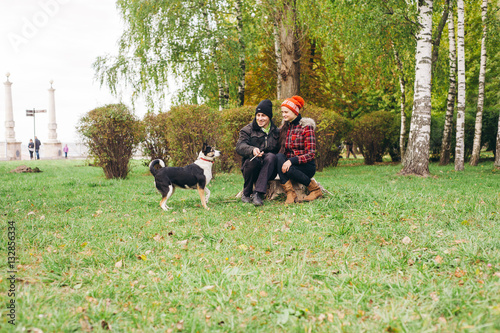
(252, 136)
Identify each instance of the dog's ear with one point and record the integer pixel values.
(204, 146)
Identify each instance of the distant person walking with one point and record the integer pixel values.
(37, 148)
(65, 150)
(348, 148)
(31, 148)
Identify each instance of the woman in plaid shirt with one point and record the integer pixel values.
(298, 148)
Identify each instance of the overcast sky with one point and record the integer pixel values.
(43, 40)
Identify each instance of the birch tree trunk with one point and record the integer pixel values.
(439, 31)
(416, 160)
(460, 144)
(444, 158)
(239, 26)
(497, 153)
(476, 148)
(277, 52)
(213, 57)
(402, 87)
(290, 50)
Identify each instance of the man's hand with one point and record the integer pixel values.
(257, 152)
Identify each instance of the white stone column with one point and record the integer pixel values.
(52, 148)
(13, 148)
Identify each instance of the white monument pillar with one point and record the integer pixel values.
(13, 148)
(52, 148)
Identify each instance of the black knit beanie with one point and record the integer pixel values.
(265, 107)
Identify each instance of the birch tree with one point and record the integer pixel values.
(402, 87)
(444, 158)
(416, 160)
(460, 128)
(497, 152)
(193, 41)
(476, 148)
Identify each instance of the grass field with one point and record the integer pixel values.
(381, 253)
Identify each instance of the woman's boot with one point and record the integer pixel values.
(290, 192)
(314, 191)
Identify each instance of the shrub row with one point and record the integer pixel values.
(186, 127)
(112, 133)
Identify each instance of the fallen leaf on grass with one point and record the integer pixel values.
(406, 240)
(434, 296)
(158, 238)
(497, 274)
(119, 264)
(207, 288)
(459, 273)
(243, 247)
(458, 241)
(105, 325)
(438, 259)
(263, 293)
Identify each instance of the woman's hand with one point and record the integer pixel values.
(286, 166)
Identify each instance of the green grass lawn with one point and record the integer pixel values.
(381, 253)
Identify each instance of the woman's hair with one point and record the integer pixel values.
(285, 125)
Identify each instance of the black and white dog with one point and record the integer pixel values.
(193, 176)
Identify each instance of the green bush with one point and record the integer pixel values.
(155, 144)
(232, 121)
(374, 133)
(331, 127)
(189, 127)
(111, 134)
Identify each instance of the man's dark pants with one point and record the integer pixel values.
(258, 172)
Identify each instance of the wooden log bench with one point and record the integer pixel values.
(274, 189)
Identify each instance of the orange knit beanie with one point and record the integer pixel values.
(294, 103)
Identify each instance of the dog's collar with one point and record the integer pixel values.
(201, 158)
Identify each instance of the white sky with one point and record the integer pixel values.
(43, 40)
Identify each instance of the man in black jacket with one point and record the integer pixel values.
(258, 143)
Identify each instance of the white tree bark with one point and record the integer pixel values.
(213, 57)
(402, 87)
(460, 144)
(239, 26)
(497, 153)
(416, 160)
(476, 148)
(444, 158)
(277, 51)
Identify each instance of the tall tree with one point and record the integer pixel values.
(476, 148)
(416, 160)
(402, 87)
(444, 158)
(241, 39)
(194, 41)
(460, 128)
(497, 151)
(289, 42)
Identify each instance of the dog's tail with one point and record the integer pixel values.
(153, 166)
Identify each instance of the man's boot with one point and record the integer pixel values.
(314, 191)
(290, 192)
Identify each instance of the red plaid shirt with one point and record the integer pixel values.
(300, 142)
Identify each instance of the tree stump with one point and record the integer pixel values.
(274, 189)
